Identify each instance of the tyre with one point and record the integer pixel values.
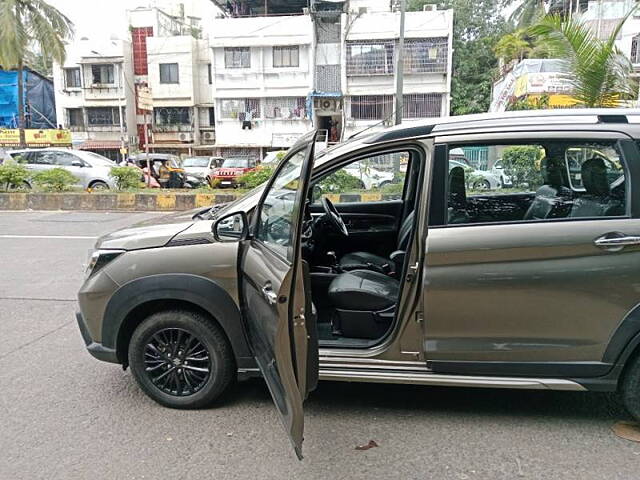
(181, 359)
(630, 388)
(482, 185)
(99, 185)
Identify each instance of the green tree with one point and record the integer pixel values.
(13, 175)
(477, 27)
(514, 46)
(599, 73)
(126, 177)
(527, 12)
(521, 163)
(28, 23)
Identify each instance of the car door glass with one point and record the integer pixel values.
(535, 181)
(275, 223)
(63, 159)
(377, 178)
(44, 158)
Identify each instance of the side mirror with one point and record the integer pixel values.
(233, 227)
(77, 163)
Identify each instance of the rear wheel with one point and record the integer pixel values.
(630, 388)
(181, 359)
(99, 185)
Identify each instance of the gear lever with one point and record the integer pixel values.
(334, 259)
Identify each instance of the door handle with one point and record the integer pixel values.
(269, 295)
(616, 241)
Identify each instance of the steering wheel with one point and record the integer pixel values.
(334, 216)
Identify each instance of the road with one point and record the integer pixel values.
(64, 415)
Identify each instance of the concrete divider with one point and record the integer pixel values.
(144, 202)
(111, 201)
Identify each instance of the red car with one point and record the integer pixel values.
(231, 170)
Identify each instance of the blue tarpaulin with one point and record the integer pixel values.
(39, 99)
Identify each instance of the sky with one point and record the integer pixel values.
(97, 18)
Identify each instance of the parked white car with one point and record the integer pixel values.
(498, 171)
(91, 170)
(370, 177)
(477, 179)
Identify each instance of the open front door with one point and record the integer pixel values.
(277, 307)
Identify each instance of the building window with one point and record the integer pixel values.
(72, 78)
(367, 58)
(427, 55)
(292, 108)
(371, 107)
(422, 105)
(238, 108)
(237, 57)
(74, 117)
(635, 51)
(209, 74)
(172, 116)
(286, 56)
(103, 115)
(102, 74)
(169, 73)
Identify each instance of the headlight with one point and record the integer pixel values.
(98, 259)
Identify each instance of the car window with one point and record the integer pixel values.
(195, 162)
(536, 181)
(42, 158)
(235, 163)
(376, 178)
(64, 159)
(275, 228)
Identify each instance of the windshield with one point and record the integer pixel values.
(196, 162)
(236, 163)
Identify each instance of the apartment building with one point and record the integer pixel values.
(244, 77)
(95, 96)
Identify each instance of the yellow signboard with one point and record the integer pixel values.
(36, 138)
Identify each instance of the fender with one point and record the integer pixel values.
(624, 339)
(200, 291)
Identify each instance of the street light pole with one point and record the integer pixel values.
(120, 113)
(400, 67)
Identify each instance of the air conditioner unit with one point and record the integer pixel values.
(186, 137)
(208, 137)
(326, 104)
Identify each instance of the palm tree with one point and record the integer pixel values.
(600, 73)
(527, 12)
(513, 46)
(28, 23)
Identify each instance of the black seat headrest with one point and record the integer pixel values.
(552, 172)
(594, 177)
(457, 186)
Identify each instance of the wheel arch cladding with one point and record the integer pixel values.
(181, 289)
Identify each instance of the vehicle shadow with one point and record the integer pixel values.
(405, 400)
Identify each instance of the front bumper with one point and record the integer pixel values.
(97, 350)
(225, 182)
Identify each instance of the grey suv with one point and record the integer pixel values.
(427, 281)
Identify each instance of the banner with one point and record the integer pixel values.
(36, 138)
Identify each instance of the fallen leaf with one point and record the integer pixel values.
(627, 430)
(371, 444)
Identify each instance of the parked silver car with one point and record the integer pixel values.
(91, 170)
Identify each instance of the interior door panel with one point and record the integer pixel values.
(373, 227)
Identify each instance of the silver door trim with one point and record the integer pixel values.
(434, 379)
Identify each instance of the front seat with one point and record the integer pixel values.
(553, 199)
(457, 204)
(597, 201)
(363, 259)
(364, 301)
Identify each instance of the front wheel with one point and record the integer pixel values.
(99, 185)
(181, 359)
(629, 390)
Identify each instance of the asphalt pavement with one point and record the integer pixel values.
(64, 415)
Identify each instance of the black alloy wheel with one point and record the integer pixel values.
(177, 362)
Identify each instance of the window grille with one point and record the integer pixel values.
(234, 152)
(285, 107)
(371, 107)
(427, 55)
(75, 117)
(172, 116)
(102, 74)
(72, 78)
(286, 56)
(422, 105)
(635, 51)
(328, 32)
(237, 57)
(103, 115)
(169, 73)
(236, 108)
(371, 57)
(327, 78)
